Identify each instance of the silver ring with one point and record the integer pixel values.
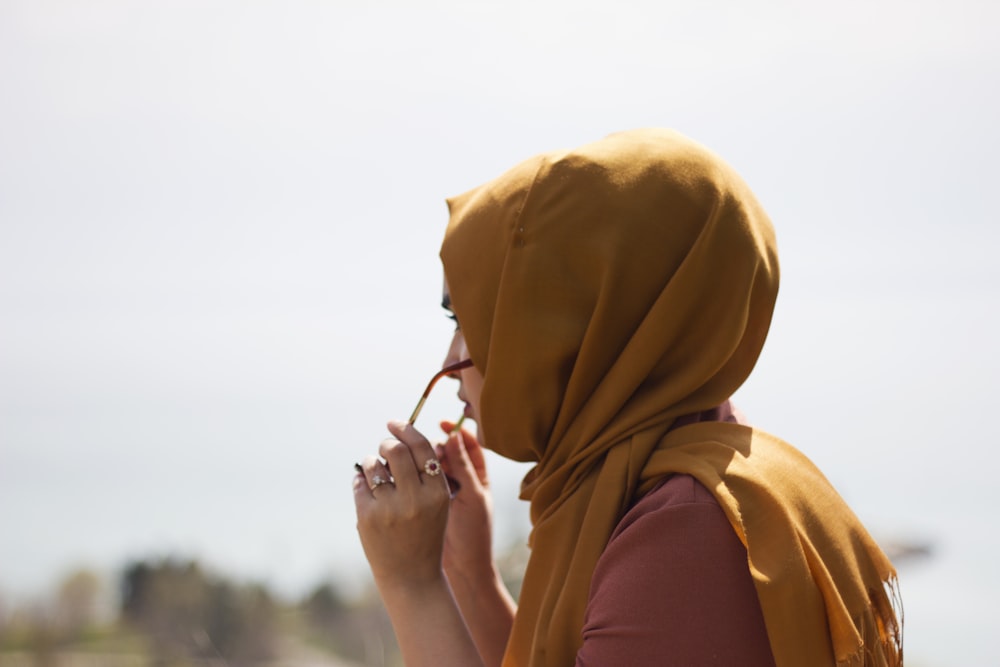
(377, 481)
(432, 467)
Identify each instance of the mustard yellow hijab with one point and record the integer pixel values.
(604, 292)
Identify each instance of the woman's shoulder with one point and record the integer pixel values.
(673, 584)
(678, 535)
(675, 494)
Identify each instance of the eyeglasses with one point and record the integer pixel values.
(453, 484)
(447, 370)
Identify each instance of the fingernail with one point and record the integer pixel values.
(357, 466)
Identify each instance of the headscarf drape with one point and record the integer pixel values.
(603, 292)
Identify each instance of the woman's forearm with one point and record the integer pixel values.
(429, 627)
(488, 609)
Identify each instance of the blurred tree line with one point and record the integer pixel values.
(174, 612)
(183, 612)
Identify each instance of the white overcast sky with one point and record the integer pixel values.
(219, 224)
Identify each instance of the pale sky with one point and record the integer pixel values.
(219, 225)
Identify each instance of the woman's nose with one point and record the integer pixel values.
(456, 351)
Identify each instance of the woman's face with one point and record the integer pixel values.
(470, 379)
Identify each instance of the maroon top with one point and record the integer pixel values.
(673, 587)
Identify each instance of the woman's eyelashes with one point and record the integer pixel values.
(446, 304)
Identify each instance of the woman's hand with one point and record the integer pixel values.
(402, 524)
(468, 559)
(468, 539)
(402, 508)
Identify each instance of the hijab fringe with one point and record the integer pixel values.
(881, 629)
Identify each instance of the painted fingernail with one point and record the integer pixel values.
(357, 466)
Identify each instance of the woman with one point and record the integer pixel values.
(612, 299)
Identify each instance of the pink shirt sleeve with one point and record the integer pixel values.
(673, 588)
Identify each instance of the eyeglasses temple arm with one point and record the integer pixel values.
(447, 370)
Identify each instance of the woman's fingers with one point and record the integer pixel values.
(362, 495)
(475, 453)
(457, 464)
(464, 454)
(410, 456)
(374, 475)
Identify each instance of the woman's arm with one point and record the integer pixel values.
(468, 560)
(429, 627)
(488, 609)
(402, 525)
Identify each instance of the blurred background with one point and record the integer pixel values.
(219, 224)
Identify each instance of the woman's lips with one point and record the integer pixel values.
(468, 412)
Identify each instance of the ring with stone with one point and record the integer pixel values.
(377, 481)
(432, 467)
